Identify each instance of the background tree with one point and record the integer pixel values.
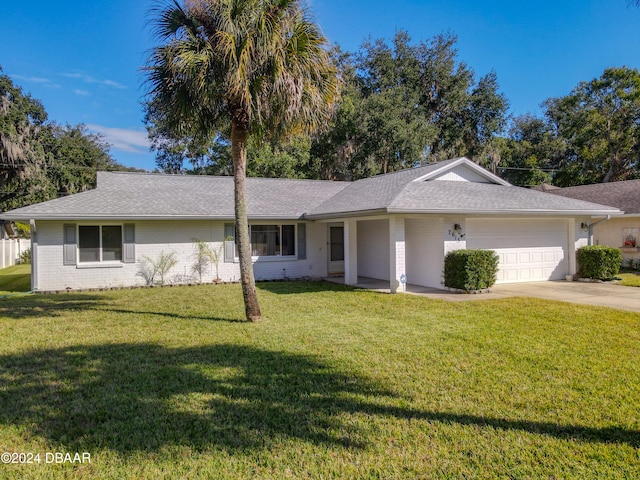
(42, 160)
(600, 121)
(74, 155)
(392, 133)
(258, 66)
(531, 152)
(404, 104)
(22, 158)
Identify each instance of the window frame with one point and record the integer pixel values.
(630, 237)
(100, 260)
(279, 256)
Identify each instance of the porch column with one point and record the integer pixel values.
(571, 246)
(397, 265)
(34, 256)
(351, 252)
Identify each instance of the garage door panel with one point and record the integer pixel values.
(510, 258)
(527, 250)
(524, 257)
(536, 257)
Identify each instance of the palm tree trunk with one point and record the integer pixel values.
(239, 137)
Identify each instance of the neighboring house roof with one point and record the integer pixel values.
(452, 186)
(624, 195)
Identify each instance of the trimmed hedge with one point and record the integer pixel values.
(470, 269)
(599, 262)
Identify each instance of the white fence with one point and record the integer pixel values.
(11, 250)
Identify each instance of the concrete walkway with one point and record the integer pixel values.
(583, 293)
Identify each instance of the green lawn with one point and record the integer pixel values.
(15, 280)
(630, 279)
(335, 383)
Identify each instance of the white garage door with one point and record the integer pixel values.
(529, 250)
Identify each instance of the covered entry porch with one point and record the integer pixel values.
(392, 251)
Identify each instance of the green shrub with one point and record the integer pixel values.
(599, 262)
(470, 269)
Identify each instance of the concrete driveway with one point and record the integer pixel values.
(584, 293)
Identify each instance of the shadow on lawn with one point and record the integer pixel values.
(141, 397)
(40, 305)
(131, 397)
(48, 305)
(174, 315)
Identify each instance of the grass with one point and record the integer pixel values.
(334, 383)
(15, 280)
(630, 279)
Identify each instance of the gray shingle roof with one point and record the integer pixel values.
(374, 193)
(145, 195)
(405, 191)
(483, 197)
(623, 195)
(123, 195)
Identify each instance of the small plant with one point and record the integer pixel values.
(146, 271)
(153, 271)
(205, 256)
(25, 256)
(599, 262)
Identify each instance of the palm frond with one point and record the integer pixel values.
(262, 60)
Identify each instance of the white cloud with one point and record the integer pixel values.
(123, 139)
(47, 82)
(89, 79)
(82, 93)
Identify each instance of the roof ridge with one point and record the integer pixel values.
(200, 176)
(410, 169)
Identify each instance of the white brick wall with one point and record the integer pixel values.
(373, 249)
(454, 240)
(154, 237)
(425, 251)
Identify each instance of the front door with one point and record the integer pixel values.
(336, 249)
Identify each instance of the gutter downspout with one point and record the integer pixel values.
(591, 225)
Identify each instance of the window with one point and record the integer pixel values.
(273, 240)
(630, 237)
(100, 243)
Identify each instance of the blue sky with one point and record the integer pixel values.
(83, 59)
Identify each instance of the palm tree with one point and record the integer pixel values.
(258, 66)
